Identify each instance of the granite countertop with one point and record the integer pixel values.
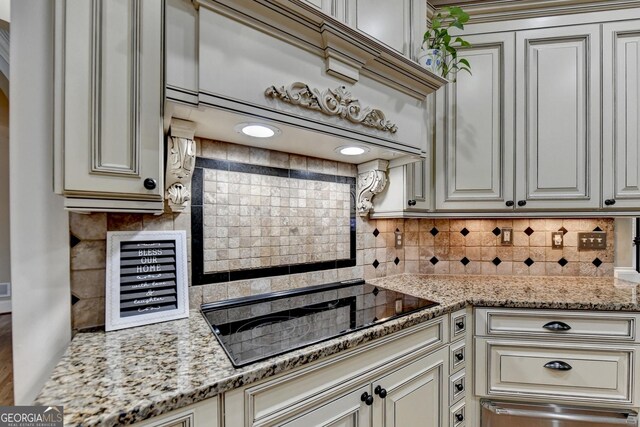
(130, 375)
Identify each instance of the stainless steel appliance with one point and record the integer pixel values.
(503, 414)
(255, 328)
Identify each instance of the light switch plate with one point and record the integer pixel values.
(506, 236)
(557, 240)
(399, 240)
(592, 241)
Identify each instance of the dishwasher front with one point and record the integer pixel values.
(508, 414)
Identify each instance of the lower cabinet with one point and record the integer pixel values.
(400, 380)
(348, 410)
(411, 396)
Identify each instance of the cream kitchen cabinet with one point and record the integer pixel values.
(109, 94)
(547, 81)
(475, 130)
(408, 190)
(378, 384)
(579, 357)
(206, 413)
(558, 111)
(621, 115)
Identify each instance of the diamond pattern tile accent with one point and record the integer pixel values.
(74, 299)
(529, 262)
(465, 261)
(73, 240)
(528, 231)
(497, 231)
(597, 229)
(396, 261)
(563, 262)
(434, 260)
(564, 230)
(597, 262)
(464, 232)
(375, 263)
(434, 231)
(375, 291)
(496, 261)
(376, 232)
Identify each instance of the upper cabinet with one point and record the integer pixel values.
(621, 115)
(475, 135)
(109, 96)
(558, 118)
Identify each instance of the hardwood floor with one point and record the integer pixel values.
(6, 361)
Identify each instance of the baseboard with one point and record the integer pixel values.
(5, 306)
(627, 273)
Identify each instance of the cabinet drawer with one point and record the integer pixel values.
(458, 324)
(457, 356)
(457, 387)
(583, 373)
(269, 401)
(458, 415)
(556, 324)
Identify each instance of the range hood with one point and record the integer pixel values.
(322, 80)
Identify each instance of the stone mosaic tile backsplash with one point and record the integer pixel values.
(431, 246)
(253, 220)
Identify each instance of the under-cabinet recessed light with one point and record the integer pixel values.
(257, 130)
(352, 150)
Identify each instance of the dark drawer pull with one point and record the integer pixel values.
(557, 326)
(558, 365)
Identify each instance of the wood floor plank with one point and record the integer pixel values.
(6, 361)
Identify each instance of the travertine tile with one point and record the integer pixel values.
(88, 227)
(88, 255)
(88, 283)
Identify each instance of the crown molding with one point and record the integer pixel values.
(504, 10)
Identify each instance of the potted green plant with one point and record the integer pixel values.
(439, 52)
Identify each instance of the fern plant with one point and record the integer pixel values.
(438, 37)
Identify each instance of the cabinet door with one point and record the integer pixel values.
(399, 24)
(474, 152)
(558, 118)
(113, 98)
(415, 394)
(621, 114)
(346, 411)
(417, 178)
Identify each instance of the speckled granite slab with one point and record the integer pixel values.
(130, 375)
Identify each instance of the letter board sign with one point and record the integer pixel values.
(147, 279)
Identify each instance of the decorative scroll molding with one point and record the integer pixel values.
(332, 102)
(372, 179)
(181, 160)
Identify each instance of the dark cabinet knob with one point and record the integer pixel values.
(558, 365)
(459, 356)
(367, 398)
(460, 417)
(380, 392)
(460, 324)
(150, 184)
(557, 326)
(610, 202)
(411, 202)
(460, 387)
(522, 203)
(509, 203)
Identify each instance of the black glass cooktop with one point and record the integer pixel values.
(255, 328)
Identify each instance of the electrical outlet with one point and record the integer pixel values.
(399, 240)
(595, 240)
(506, 237)
(557, 240)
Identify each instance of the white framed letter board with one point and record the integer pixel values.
(147, 279)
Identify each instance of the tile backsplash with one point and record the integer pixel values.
(431, 246)
(472, 246)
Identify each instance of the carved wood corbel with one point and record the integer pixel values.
(372, 179)
(181, 160)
